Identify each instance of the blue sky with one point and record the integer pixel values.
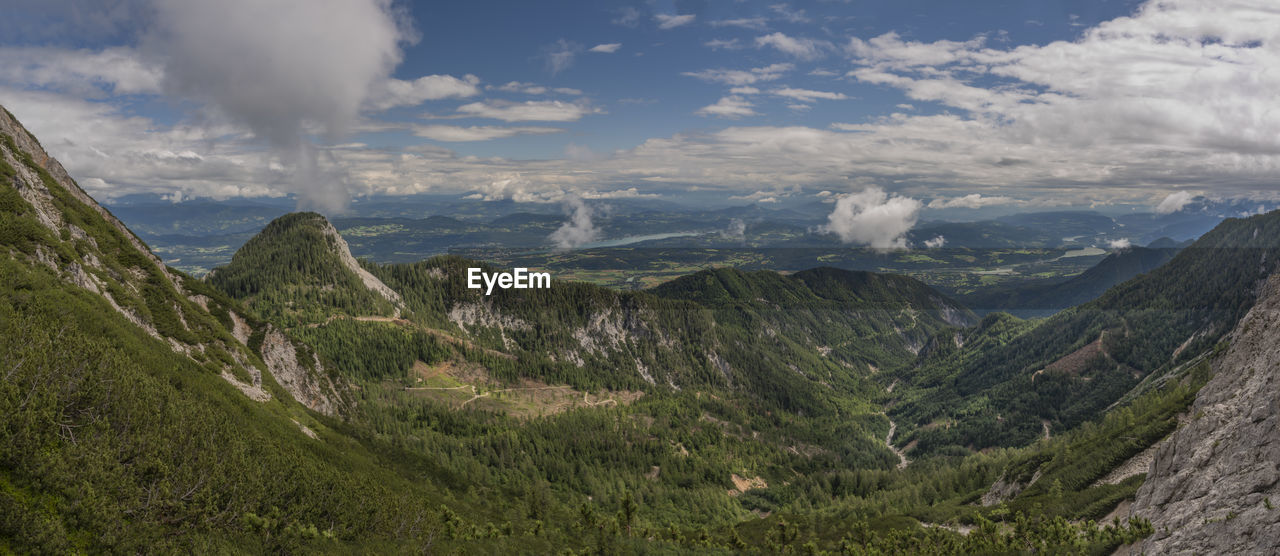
(900, 107)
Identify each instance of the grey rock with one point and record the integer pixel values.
(1210, 485)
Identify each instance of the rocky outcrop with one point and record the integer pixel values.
(1214, 486)
(303, 377)
(370, 281)
(74, 255)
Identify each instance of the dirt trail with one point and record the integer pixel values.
(903, 462)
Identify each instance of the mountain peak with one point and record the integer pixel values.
(303, 253)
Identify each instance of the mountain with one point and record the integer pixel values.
(146, 411)
(1212, 487)
(299, 270)
(300, 401)
(1040, 299)
(1069, 368)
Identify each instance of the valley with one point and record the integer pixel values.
(297, 398)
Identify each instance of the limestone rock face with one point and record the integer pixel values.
(1214, 486)
(305, 380)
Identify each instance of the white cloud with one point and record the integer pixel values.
(807, 95)
(873, 218)
(1178, 95)
(529, 111)
(771, 195)
(1174, 94)
(560, 55)
(1122, 243)
(718, 44)
(533, 89)
(971, 201)
(522, 87)
(786, 13)
(397, 92)
(737, 230)
(742, 77)
(935, 243)
(753, 23)
(449, 133)
(1174, 202)
(744, 91)
(117, 70)
(579, 229)
(627, 17)
(282, 80)
(628, 193)
(607, 48)
(799, 47)
(667, 21)
(732, 107)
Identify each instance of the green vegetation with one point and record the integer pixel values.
(756, 421)
(291, 274)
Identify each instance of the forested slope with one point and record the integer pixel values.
(1009, 376)
(365, 408)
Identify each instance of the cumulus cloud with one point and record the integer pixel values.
(971, 201)
(935, 243)
(744, 91)
(873, 218)
(579, 229)
(529, 111)
(607, 48)
(1122, 243)
(449, 133)
(742, 77)
(279, 80)
(799, 47)
(1174, 202)
(398, 92)
(667, 21)
(732, 107)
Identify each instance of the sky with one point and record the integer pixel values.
(881, 108)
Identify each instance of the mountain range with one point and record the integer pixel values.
(297, 399)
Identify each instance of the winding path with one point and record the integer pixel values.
(903, 462)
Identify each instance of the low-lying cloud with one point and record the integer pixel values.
(873, 218)
(1174, 202)
(579, 229)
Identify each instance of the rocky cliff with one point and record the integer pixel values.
(47, 220)
(1214, 486)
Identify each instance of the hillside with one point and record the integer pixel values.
(148, 412)
(1213, 486)
(1040, 299)
(388, 408)
(1067, 369)
(755, 336)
